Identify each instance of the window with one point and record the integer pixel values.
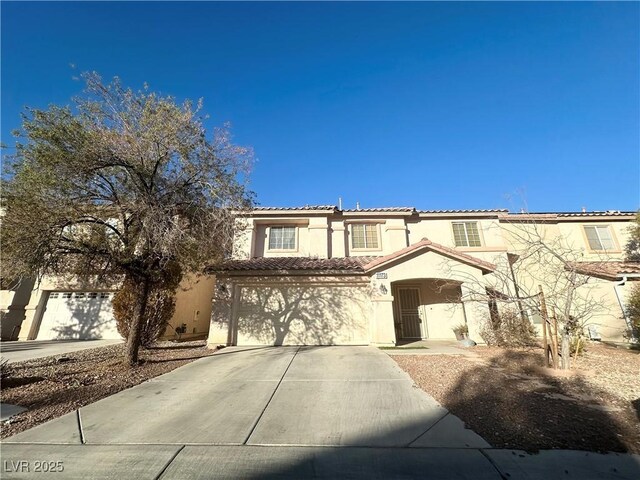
(54, 295)
(66, 295)
(93, 294)
(104, 295)
(282, 238)
(465, 234)
(599, 237)
(364, 235)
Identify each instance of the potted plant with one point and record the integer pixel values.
(462, 331)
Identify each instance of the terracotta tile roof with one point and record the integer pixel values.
(285, 264)
(608, 213)
(414, 210)
(426, 244)
(465, 211)
(381, 210)
(541, 215)
(356, 265)
(608, 270)
(306, 207)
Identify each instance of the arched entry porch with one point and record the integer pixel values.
(426, 308)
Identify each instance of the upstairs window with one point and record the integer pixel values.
(599, 237)
(465, 234)
(282, 238)
(364, 236)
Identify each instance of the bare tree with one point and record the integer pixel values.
(125, 185)
(540, 256)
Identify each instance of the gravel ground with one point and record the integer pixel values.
(510, 399)
(53, 386)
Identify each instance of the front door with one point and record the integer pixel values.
(409, 303)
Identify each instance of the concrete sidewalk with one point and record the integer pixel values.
(20, 461)
(288, 412)
(20, 351)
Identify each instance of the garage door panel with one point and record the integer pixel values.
(303, 315)
(78, 316)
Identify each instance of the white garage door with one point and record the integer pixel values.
(79, 316)
(302, 315)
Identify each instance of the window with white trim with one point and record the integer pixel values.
(364, 235)
(599, 237)
(466, 234)
(282, 238)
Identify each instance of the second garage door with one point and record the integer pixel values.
(302, 315)
(78, 316)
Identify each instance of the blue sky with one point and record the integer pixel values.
(432, 105)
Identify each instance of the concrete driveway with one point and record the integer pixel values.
(287, 412)
(28, 350)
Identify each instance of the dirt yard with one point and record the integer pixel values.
(52, 386)
(510, 399)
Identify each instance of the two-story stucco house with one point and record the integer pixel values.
(321, 275)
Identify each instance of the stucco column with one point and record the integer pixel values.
(33, 315)
(222, 311)
(382, 328)
(319, 237)
(337, 240)
(476, 312)
(396, 234)
(244, 241)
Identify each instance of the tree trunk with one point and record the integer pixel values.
(135, 329)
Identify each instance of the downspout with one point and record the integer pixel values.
(634, 339)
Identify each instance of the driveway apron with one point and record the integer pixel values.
(329, 396)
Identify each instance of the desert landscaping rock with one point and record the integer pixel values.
(512, 401)
(49, 389)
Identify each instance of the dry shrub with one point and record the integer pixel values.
(5, 369)
(160, 306)
(508, 330)
(633, 310)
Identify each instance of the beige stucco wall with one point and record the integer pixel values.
(608, 316)
(13, 303)
(193, 307)
(293, 311)
(573, 233)
(440, 230)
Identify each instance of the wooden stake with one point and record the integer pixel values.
(556, 360)
(543, 311)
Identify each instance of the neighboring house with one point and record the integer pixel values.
(80, 309)
(318, 275)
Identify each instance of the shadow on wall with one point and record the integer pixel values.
(90, 319)
(303, 315)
